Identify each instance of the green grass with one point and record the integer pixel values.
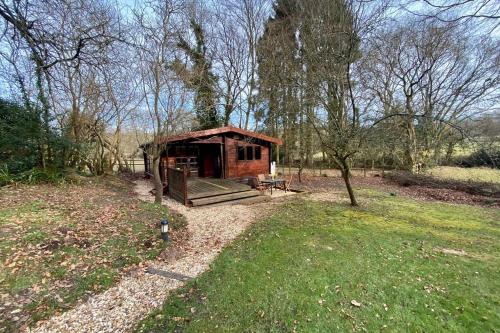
(300, 269)
(486, 175)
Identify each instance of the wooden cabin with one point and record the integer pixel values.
(219, 153)
(225, 152)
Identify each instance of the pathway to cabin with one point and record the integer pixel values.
(120, 308)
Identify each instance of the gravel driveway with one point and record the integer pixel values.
(119, 308)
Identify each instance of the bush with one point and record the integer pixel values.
(480, 158)
(22, 138)
(20, 129)
(33, 176)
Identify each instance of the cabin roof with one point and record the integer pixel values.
(216, 131)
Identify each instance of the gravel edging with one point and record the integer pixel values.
(121, 307)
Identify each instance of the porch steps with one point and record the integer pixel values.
(223, 198)
(244, 201)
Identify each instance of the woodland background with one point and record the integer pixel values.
(391, 84)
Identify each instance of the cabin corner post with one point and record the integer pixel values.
(184, 184)
(270, 156)
(223, 152)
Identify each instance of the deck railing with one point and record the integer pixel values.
(177, 184)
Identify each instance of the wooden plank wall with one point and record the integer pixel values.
(177, 184)
(236, 168)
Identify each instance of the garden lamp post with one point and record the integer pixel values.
(164, 229)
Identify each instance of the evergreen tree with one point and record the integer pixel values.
(21, 131)
(306, 58)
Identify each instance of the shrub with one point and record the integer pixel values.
(480, 158)
(33, 176)
(22, 136)
(20, 129)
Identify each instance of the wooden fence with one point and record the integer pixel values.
(177, 184)
(135, 165)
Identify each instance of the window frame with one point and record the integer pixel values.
(253, 149)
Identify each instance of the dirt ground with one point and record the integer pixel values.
(421, 192)
(119, 308)
(60, 244)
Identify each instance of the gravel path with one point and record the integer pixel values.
(119, 308)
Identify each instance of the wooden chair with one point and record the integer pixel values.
(286, 185)
(255, 183)
(261, 177)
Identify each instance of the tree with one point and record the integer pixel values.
(432, 79)
(279, 74)
(163, 96)
(199, 78)
(230, 60)
(483, 12)
(19, 143)
(310, 74)
(52, 35)
(331, 46)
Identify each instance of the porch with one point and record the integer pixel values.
(208, 187)
(196, 191)
(206, 191)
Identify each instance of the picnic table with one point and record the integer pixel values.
(274, 183)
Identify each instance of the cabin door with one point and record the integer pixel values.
(211, 160)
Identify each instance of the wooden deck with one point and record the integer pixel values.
(209, 187)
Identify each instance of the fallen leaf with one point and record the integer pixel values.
(355, 303)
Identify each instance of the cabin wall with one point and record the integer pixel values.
(205, 160)
(239, 168)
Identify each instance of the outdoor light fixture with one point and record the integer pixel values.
(164, 229)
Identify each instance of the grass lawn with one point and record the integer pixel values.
(326, 267)
(59, 244)
(486, 175)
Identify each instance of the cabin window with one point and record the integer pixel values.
(241, 153)
(257, 153)
(249, 153)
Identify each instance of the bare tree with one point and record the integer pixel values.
(332, 41)
(231, 56)
(156, 39)
(456, 11)
(432, 79)
(247, 18)
(57, 33)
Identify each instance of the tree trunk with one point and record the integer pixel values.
(228, 109)
(157, 179)
(449, 153)
(411, 148)
(346, 175)
(45, 139)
